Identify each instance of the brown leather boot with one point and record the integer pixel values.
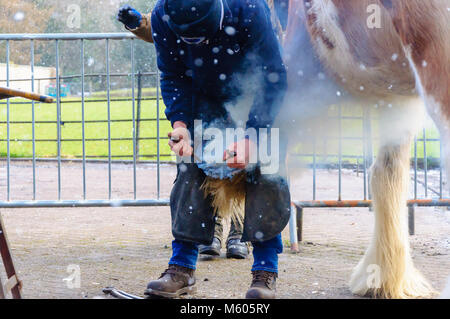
(263, 285)
(174, 281)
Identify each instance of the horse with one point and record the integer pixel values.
(392, 54)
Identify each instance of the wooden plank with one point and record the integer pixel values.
(7, 260)
(299, 224)
(7, 92)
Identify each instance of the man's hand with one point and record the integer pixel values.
(130, 17)
(237, 155)
(180, 141)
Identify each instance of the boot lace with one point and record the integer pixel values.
(262, 276)
(175, 270)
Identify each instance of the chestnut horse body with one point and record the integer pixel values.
(395, 55)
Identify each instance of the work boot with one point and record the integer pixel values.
(174, 281)
(263, 285)
(211, 250)
(236, 249)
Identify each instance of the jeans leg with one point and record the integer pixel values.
(184, 254)
(265, 254)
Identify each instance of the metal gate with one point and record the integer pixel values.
(7, 201)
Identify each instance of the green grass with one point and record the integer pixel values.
(71, 111)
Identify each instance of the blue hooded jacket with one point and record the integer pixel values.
(243, 56)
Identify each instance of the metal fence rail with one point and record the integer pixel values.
(338, 160)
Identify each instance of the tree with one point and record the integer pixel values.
(77, 16)
(22, 16)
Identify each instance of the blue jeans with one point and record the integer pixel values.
(265, 254)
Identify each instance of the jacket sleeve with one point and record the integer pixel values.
(264, 45)
(176, 85)
(144, 31)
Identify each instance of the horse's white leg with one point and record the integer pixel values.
(428, 50)
(421, 26)
(433, 82)
(387, 269)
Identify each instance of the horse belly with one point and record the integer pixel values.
(365, 61)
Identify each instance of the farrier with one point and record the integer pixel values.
(211, 53)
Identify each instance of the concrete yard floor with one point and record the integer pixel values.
(127, 247)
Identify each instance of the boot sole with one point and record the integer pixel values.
(236, 253)
(170, 295)
(236, 256)
(210, 252)
(261, 297)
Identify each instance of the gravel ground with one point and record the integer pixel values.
(127, 247)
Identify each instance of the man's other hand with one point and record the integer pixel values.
(237, 155)
(130, 17)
